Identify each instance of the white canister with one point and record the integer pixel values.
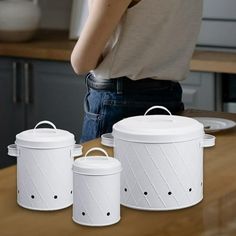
(162, 160)
(96, 190)
(44, 167)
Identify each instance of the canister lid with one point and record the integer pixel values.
(158, 129)
(96, 165)
(45, 137)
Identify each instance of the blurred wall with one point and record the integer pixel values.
(55, 14)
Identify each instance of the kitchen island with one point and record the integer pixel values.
(215, 215)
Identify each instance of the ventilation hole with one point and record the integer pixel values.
(201, 184)
(55, 197)
(83, 213)
(32, 196)
(126, 189)
(108, 213)
(190, 190)
(169, 193)
(71, 192)
(145, 193)
(18, 191)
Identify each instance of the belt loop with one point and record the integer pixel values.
(86, 80)
(119, 86)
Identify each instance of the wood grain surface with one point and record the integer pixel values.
(55, 45)
(215, 215)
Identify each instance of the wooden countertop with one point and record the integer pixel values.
(47, 45)
(215, 215)
(55, 45)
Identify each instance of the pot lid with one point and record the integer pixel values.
(96, 165)
(45, 137)
(158, 129)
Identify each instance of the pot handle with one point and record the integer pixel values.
(107, 139)
(45, 122)
(208, 141)
(97, 149)
(77, 150)
(12, 150)
(158, 107)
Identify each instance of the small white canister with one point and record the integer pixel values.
(96, 190)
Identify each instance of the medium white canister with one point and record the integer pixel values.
(44, 167)
(96, 190)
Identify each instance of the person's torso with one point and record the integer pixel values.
(155, 39)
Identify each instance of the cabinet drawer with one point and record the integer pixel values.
(220, 9)
(199, 91)
(218, 33)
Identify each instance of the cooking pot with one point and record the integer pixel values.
(44, 167)
(162, 160)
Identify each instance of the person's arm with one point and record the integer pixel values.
(104, 16)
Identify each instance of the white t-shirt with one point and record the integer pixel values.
(155, 39)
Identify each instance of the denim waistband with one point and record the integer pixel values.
(124, 84)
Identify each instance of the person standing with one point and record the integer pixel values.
(134, 54)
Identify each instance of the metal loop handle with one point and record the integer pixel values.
(158, 107)
(208, 141)
(12, 150)
(96, 149)
(45, 122)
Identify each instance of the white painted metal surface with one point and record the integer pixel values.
(44, 173)
(44, 178)
(96, 187)
(160, 176)
(162, 160)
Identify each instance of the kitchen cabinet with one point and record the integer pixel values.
(11, 109)
(199, 91)
(35, 90)
(219, 21)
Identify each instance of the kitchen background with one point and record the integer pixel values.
(55, 14)
(54, 82)
(218, 32)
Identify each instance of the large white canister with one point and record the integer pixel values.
(96, 190)
(162, 160)
(44, 167)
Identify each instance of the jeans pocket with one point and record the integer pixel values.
(93, 121)
(91, 126)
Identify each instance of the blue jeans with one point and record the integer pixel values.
(104, 108)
